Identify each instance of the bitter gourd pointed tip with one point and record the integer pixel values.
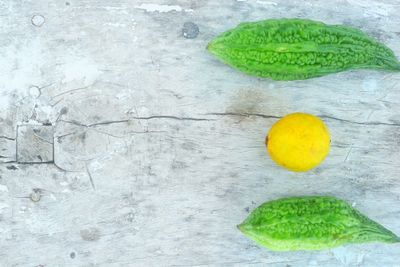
(214, 47)
(393, 239)
(242, 227)
(210, 46)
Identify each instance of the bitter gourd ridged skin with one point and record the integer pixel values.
(297, 49)
(311, 223)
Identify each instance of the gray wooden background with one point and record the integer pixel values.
(124, 143)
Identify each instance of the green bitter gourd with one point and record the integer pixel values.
(311, 223)
(296, 49)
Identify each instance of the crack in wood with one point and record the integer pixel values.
(90, 176)
(135, 118)
(244, 115)
(7, 138)
(171, 117)
(62, 169)
(373, 123)
(70, 91)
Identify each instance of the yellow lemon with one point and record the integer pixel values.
(298, 142)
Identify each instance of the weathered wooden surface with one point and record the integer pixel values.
(158, 147)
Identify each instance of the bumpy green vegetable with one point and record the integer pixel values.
(296, 49)
(311, 223)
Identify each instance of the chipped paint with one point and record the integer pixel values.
(162, 8)
(3, 188)
(78, 69)
(266, 3)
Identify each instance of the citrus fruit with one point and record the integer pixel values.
(298, 142)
